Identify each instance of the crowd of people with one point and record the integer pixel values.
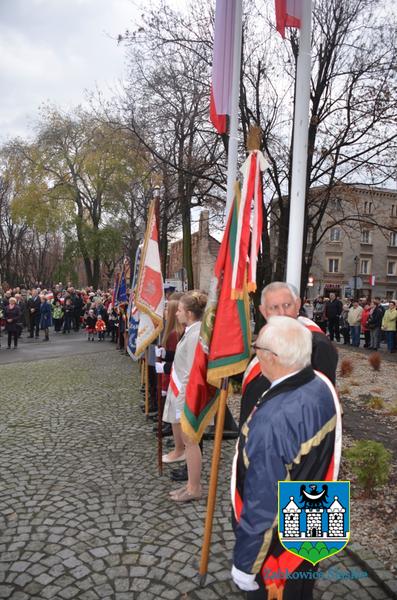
(290, 425)
(356, 321)
(33, 313)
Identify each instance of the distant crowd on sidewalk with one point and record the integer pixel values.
(62, 309)
(371, 321)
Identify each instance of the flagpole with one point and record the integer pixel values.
(216, 455)
(159, 424)
(234, 106)
(146, 382)
(299, 150)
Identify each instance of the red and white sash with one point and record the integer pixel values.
(175, 383)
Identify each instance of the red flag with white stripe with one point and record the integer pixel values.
(149, 295)
(288, 14)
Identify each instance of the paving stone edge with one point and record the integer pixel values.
(355, 555)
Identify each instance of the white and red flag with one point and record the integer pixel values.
(222, 64)
(288, 14)
(250, 223)
(149, 294)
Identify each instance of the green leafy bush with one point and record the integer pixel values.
(370, 462)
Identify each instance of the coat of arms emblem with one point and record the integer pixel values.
(314, 517)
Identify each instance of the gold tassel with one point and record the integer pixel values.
(274, 592)
(236, 295)
(251, 287)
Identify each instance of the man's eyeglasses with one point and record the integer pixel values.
(275, 308)
(255, 347)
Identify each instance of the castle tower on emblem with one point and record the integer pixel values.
(313, 522)
(335, 518)
(291, 519)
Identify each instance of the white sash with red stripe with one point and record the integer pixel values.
(310, 324)
(175, 383)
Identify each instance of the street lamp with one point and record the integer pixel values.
(355, 277)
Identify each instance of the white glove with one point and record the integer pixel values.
(244, 581)
(157, 350)
(159, 367)
(163, 393)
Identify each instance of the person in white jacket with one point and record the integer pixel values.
(190, 310)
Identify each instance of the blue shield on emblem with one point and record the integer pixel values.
(314, 517)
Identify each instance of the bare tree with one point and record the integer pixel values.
(166, 106)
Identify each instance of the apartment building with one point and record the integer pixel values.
(358, 250)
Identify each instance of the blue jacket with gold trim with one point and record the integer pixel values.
(290, 435)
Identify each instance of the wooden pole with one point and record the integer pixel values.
(142, 362)
(216, 454)
(146, 382)
(159, 424)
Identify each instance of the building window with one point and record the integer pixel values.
(393, 238)
(367, 208)
(333, 265)
(391, 267)
(389, 295)
(365, 266)
(334, 234)
(335, 204)
(393, 210)
(365, 236)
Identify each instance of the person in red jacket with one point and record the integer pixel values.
(364, 326)
(100, 328)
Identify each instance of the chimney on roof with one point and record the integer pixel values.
(204, 228)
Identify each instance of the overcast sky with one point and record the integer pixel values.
(52, 50)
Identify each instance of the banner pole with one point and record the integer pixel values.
(159, 424)
(142, 363)
(216, 454)
(299, 152)
(146, 382)
(232, 157)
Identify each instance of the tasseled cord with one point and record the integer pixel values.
(274, 592)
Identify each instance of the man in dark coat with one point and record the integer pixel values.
(293, 434)
(34, 313)
(77, 302)
(375, 324)
(332, 312)
(281, 299)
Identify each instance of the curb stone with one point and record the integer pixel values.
(354, 553)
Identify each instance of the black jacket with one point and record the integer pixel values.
(375, 317)
(14, 315)
(34, 303)
(324, 359)
(333, 309)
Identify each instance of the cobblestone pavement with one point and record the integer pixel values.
(83, 513)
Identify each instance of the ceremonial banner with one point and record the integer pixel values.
(132, 311)
(222, 64)
(288, 14)
(115, 288)
(224, 346)
(122, 288)
(249, 223)
(149, 292)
